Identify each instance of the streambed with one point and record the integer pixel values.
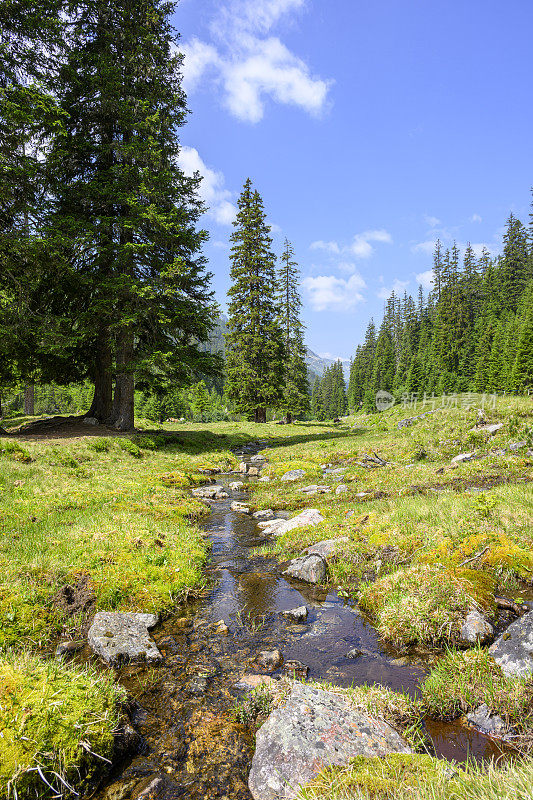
(183, 709)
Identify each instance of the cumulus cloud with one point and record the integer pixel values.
(212, 190)
(426, 247)
(326, 292)
(476, 218)
(426, 279)
(360, 247)
(249, 65)
(432, 221)
(398, 287)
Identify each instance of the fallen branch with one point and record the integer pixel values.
(474, 558)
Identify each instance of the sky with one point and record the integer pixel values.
(370, 129)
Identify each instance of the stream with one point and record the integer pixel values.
(194, 748)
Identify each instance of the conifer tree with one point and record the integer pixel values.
(295, 398)
(522, 373)
(254, 342)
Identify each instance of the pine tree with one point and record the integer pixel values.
(522, 373)
(295, 398)
(124, 214)
(384, 362)
(515, 264)
(254, 342)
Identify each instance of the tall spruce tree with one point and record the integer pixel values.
(295, 398)
(254, 342)
(125, 215)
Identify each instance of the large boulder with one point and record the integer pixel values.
(312, 568)
(211, 492)
(311, 516)
(476, 629)
(327, 547)
(513, 650)
(294, 475)
(121, 637)
(312, 730)
(264, 515)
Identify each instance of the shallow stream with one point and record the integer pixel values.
(194, 747)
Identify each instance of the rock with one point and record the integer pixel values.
(90, 421)
(310, 516)
(68, 648)
(271, 525)
(312, 730)
(258, 458)
(197, 685)
(462, 457)
(269, 659)
(209, 470)
(476, 629)
(242, 508)
(362, 495)
(355, 652)
(243, 467)
(296, 614)
(123, 637)
(311, 488)
(265, 515)
(265, 479)
(236, 485)
(311, 568)
(295, 669)
(253, 471)
(513, 650)
(249, 682)
(215, 492)
(483, 720)
(337, 471)
(490, 429)
(294, 475)
(158, 787)
(327, 547)
(221, 627)
(517, 445)
(341, 488)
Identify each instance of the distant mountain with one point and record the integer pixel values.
(315, 363)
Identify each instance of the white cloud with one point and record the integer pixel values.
(426, 279)
(432, 221)
(329, 247)
(326, 292)
(211, 190)
(251, 66)
(427, 247)
(361, 246)
(398, 287)
(476, 218)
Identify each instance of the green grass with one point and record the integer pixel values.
(57, 723)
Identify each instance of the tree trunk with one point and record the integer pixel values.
(124, 400)
(1, 414)
(260, 415)
(288, 418)
(101, 405)
(29, 400)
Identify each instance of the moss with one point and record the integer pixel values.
(375, 777)
(461, 681)
(25, 618)
(51, 715)
(425, 603)
(130, 447)
(14, 451)
(183, 479)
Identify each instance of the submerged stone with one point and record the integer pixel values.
(312, 730)
(311, 568)
(296, 614)
(121, 637)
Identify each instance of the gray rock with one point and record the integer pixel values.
(310, 516)
(269, 659)
(462, 457)
(236, 485)
(341, 488)
(490, 429)
(90, 421)
(271, 525)
(362, 495)
(311, 568)
(265, 479)
(241, 508)
(327, 547)
(258, 458)
(120, 637)
(68, 648)
(294, 475)
(311, 488)
(476, 629)
(517, 445)
(243, 467)
(215, 492)
(296, 614)
(264, 515)
(336, 471)
(312, 730)
(513, 650)
(490, 725)
(197, 685)
(253, 471)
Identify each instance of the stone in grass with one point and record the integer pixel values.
(483, 720)
(264, 515)
(476, 629)
(310, 516)
(462, 457)
(265, 479)
(121, 637)
(341, 488)
(513, 650)
(313, 729)
(311, 568)
(294, 475)
(296, 614)
(327, 547)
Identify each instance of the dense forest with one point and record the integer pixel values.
(474, 332)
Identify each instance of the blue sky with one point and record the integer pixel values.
(369, 128)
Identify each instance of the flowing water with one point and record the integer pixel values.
(184, 708)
